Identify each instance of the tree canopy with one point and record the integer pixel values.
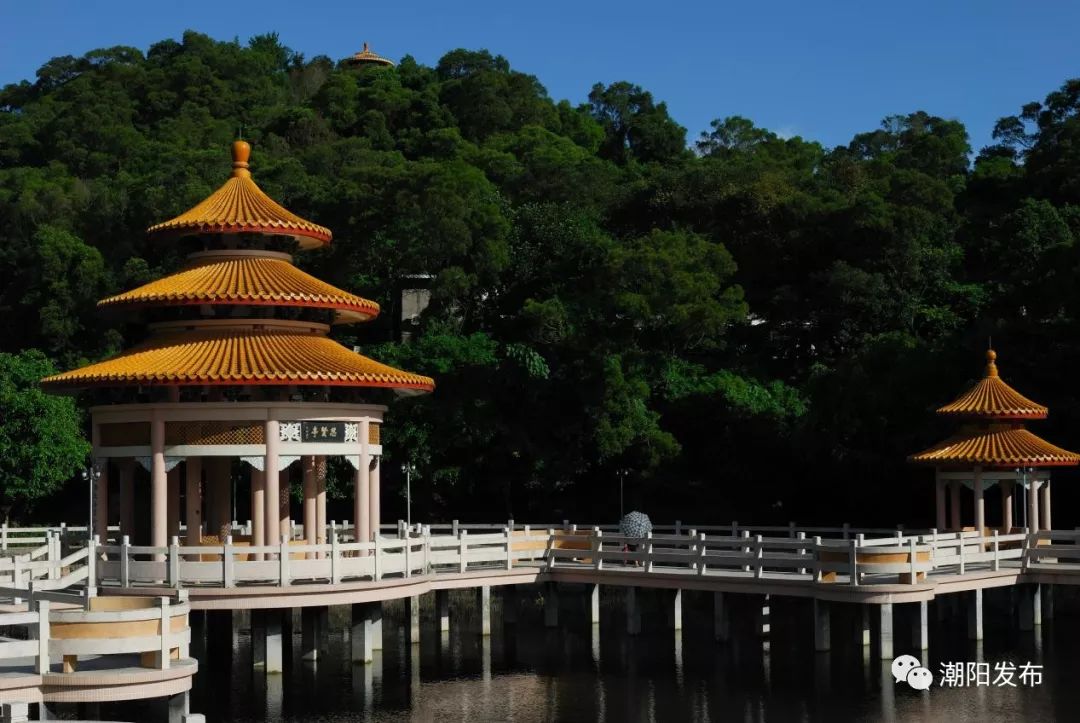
(747, 324)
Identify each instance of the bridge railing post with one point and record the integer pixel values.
(853, 562)
(817, 559)
(802, 550)
(228, 572)
(509, 535)
(648, 565)
(42, 661)
(91, 563)
(284, 574)
(463, 549)
(174, 563)
(913, 558)
(746, 548)
(4, 536)
(551, 548)
(125, 562)
(933, 548)
(377, 560)
(960, 549)
(335, 557)
(691, 549)
(759, 555)
(163, 651)
(597, 543)
(997, 551)
(453, 528)
(701, 554)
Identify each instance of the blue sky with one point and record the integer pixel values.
(822, 70)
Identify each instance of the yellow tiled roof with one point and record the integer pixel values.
(247, 278)
(240, 206)
(367, 56)
(992, 398)
(1009, 446)
(237, 356)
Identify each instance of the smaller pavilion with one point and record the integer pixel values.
(993, 446)
(367, 57)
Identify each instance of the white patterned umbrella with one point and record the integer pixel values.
(635, 524)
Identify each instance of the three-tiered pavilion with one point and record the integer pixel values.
(238, 365)
(994, 446)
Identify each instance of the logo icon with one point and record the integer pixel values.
(907, 668)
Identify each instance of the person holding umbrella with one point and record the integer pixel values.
(634, 524)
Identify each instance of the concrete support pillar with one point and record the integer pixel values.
(442, 610)
(1046, 521)
(551, 605)
(275, 640)
(885, 637)
(920, 627)
(311, 491)
(14, 712)
(127, 498)
(674, 611)
(159, 504)
(258, 639)
(320, 500)
(414, 620)
(721, 620)
(376, 626)
(284, 520)
(374, 497)
(975, 615)
(272, 487)
(193, 499)
(483, 600)
(258, 510)
(173, 504)
(864, 627)
(763, 612)
(362, 637)
(594, 604)
(939, 488)
(980, 503)
(1006, 505)
(954, 505)
(362, 498)
(1036, 604)
(310, 632)
(822, 628)
(178, 707)
(633, 611)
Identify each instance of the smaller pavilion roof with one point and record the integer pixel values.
(240, 206)
(366, 56)
(992, 398)
(227, 353)
(1004, 447)
(255, 278)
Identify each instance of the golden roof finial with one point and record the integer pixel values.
(991, 366)
(241, 151)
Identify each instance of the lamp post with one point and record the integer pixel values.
(408, 469)
(91, 475)
(622, 478)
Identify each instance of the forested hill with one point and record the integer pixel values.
(752, 327)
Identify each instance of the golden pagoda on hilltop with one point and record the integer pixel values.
(238, 365)
(367, 57)
(993, 445)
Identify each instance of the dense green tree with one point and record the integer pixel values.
(41, 442)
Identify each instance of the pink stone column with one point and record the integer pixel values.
(283, 503)
(311, 486)
(1046, 521)
(258, 510)
(193, 500)
(375, 497)
(320, 501)
(362, 498)
(1033, 506)
(173, 481)
(159, 503)
(273, 485)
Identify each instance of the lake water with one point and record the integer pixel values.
(525, 672)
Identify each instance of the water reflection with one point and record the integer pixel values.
(585, 672)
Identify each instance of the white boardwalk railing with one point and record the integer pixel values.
(844, 557)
